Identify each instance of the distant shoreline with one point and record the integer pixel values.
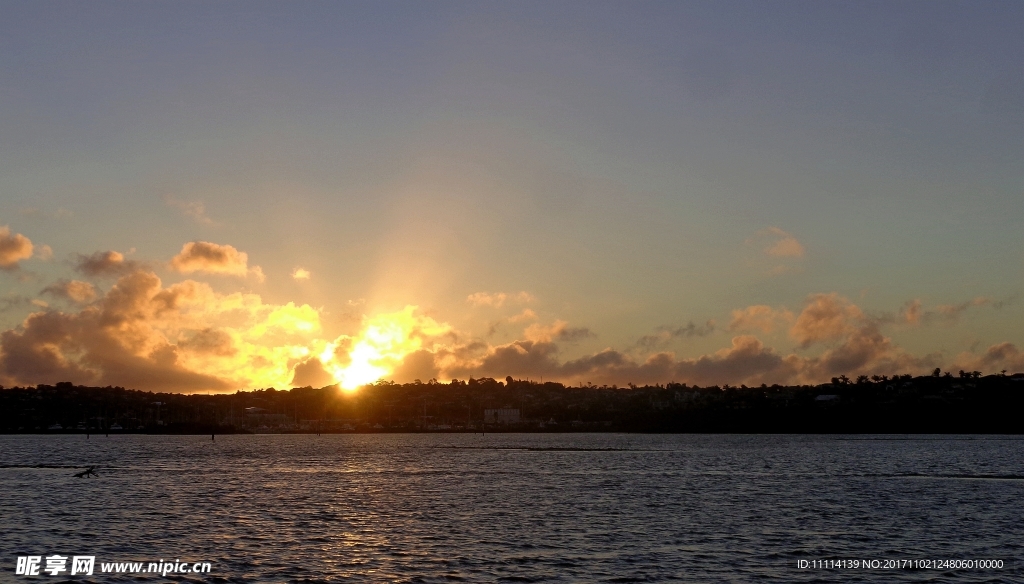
(936, 404)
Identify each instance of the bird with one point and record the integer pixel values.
(91, 471)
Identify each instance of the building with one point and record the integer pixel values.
(502, 416)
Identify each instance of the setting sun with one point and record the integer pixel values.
(379, 348)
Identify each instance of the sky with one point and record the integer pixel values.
(206, 197)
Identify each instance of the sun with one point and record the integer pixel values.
(380, 348)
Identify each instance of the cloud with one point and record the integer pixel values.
(301, 274)
(525, 315)
(13, 301)
(667, 334)
(73, 290)
(855, 344)
(195, 210)
(780, 247)
(13, 248)
(558, 330)
(60, 213)
(999, 357)
(782, 244)
(953, 311)
(497, 299)
(421, 364)
(524, 358)
(105, 263)
(911, 312)
(860, 346)
(825, 317)
(383, 345)
(914, 313)
(759, 317)
(212, 258)
(747, 360)
(311, 373)
(184, 337)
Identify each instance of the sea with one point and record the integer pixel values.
(513, 508)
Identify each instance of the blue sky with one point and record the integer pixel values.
(629, 166)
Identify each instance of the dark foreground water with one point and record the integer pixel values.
(515, 507)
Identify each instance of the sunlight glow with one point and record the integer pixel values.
(385, 341)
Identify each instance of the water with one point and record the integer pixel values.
(515, 507)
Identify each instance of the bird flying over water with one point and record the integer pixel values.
(91, 471)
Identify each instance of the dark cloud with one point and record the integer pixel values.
(572, 334)
(746, 361)
(213, 258)
(311, 373)
(105, 263)
(417, 365)
(557, 331)
(913, 311)
(664, 335)
(209, 341)
(73, 290)
(12, 301)
(855, 344)
(998, 357)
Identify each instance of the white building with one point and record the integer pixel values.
(502, 416)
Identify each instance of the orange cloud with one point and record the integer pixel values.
(184, 337)
(999, 357)
(759, 317)
(212, 258)
(825, 317)
(526, 314)
(497, 299)
(857, 347)
(559, 330)
(13, 248)
(195, 210)
(784, 245)
(913, 312)
(301, 274)
(74, 290)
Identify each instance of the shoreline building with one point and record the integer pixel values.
(501, 416)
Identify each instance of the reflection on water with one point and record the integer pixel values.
(514, 507)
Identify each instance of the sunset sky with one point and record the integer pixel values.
(201, 196)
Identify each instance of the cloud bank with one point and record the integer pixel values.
(186, 337)
(141, 334)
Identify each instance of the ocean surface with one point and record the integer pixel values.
(516, 507)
